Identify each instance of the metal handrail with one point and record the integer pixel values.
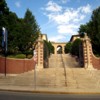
(64, 70)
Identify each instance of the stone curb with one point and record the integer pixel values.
(48, 92)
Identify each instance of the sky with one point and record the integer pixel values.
(59, 19)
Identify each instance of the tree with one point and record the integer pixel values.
(92, 28)
(95, 37)
(30, 20)
(68, 47)
(83, 28)
(49, 46)
(4, 11)
(3, 7)
(22, 32)
(75, 47)
(29, 32)
(13, 30)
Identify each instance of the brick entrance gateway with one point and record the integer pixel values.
(61, 44)
(18, 66)
(41, 62)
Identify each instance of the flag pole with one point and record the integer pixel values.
(4, 45)
(5, 59)
(5, 51)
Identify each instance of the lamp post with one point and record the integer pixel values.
(35, 60)
(4, 44)
(36, 57)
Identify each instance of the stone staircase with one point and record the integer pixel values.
(63, 72)
(53, 76)
(61, 60)
(55, 61)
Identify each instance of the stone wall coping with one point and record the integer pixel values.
(17, 58)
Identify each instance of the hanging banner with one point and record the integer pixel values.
(4, 38)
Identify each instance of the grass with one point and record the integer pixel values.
(20, 56)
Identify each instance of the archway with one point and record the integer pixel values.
(61, 45)
(59, 49)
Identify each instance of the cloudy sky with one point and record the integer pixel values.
(59, 19)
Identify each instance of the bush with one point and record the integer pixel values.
(20, 56)
(29, 56)
(75, 47)
(68, 47)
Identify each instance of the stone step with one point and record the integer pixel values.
(63, 61)
(55, 77)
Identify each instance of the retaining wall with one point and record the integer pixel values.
(90, 61)
(16, 66)
(95, 61)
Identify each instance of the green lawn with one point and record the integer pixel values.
(20, 56)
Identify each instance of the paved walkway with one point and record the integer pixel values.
(63, 76)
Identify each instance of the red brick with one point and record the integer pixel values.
(16, 66)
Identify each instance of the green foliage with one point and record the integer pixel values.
(31, 25)
(49, 46)
(3, 7)
(92, 28)
(22, 32)
(68, 47)
(75, 47)
(13, 30)
(83, 28)
(21, 56)
(29, 56)
(46, 50)
(82, 34)
(29, 31)
(4, 11)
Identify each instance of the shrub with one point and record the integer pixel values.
(75, 47)
(20, 56)
(68, 47)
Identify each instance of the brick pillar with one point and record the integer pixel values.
(87, 53)
(40, 53)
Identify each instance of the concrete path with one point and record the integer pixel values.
(63, 75)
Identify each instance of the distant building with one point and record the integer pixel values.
(74, 37)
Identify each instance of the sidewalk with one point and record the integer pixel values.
(78, 81)
(49, 90)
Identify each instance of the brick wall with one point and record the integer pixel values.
(16, 66)
(95, 62)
